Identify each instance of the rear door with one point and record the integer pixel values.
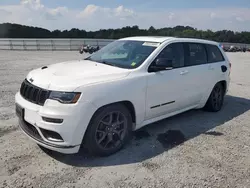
(217, 65)
(198, 75)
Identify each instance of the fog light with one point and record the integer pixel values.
(52, 120)
(51, 135)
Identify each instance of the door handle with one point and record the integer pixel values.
(183, 72)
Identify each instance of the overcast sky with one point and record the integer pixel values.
(102, 14)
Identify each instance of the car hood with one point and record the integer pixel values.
(68, 76)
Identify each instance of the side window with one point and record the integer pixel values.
(175, 53)
(214, 54)
(196, 54)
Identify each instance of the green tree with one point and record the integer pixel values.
(8, 30)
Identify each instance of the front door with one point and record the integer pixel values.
(166, 89)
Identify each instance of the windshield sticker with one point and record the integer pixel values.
(152, 44)
(133, 64)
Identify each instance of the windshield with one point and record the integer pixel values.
(124, 53)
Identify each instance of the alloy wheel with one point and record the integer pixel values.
(111, 130)
(217, 97)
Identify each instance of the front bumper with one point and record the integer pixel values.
(40, 141)
(75, 117)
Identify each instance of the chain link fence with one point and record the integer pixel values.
(50, 44)
(64, 44)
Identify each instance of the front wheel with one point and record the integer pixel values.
(109, 130)
(216, 99)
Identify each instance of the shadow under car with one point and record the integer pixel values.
(156, 138)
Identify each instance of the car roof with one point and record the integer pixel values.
(161, 39)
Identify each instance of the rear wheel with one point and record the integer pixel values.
(109, 130)
(216, 99)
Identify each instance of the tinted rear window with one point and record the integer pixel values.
(214, 54)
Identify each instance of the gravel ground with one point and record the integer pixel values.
(209, 150)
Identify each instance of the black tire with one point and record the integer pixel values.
(216, 99)
(105, 125)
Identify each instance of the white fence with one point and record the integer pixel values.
(61, 44)
(50, 44)
(236, 44)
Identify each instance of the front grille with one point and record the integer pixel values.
(33, 93)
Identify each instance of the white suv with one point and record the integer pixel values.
(131, 82)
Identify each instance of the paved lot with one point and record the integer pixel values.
(216, 151)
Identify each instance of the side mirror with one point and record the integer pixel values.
(161, 64)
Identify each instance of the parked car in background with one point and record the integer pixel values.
(132, 82)
(225, 48)
(88, 49)
(235, 49)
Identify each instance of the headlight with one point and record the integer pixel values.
(65, 97)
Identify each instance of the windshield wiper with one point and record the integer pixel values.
(103, 62)
(107, 63)
(88, 58)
